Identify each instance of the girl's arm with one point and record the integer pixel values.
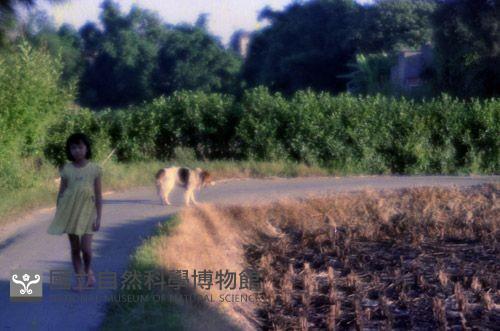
(62, 187)
(98, 200)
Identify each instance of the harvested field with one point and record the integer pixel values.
(420, 258)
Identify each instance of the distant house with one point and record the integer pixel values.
(240, 42)
(410, 68)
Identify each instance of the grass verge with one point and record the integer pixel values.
(142, 308)
(121, 315)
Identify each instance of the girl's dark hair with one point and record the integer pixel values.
(75, 139)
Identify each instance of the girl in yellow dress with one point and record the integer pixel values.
(79, 205)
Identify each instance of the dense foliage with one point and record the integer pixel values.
(135, 57)
(128, 58)
(310, 44)
(468, 47)
(162, 87)
(31, 99)
(373, 134)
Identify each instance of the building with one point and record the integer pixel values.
(240, 42)
(409, 71)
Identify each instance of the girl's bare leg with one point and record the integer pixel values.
(76, 258)
(86, 247)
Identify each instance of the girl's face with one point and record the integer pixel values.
(78, 151)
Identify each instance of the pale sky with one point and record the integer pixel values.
(225, 16)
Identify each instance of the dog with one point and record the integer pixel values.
(186, 178)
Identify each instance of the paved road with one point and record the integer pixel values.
(128, 218)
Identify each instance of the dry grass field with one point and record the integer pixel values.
(420, 258)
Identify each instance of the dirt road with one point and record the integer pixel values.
(128, 218)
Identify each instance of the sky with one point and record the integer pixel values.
(225, 16)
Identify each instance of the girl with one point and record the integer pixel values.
(79, 205)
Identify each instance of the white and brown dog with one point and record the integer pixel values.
(186, 178)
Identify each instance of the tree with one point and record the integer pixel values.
(64, 43)
(136, 57)
(191, 59)
(202, 21)
(468, 47)
(8, 16)
(234, 41)
(371, 74)
(306, 45)
(390, 25)
(121, 58)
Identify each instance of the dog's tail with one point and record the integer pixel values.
(184, 176)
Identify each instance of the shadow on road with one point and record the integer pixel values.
(63, 308)
(9, 241)
(127, 202)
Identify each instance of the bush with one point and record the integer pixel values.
(132, 131)
(31, 99)
(204, 122)
(77, 120)
(184, 155)
(263, 124)
(374, 134)
(356, 134)
(370, 134)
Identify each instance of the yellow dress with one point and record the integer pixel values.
(76, 210)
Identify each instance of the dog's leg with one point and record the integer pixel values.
(168, 188)
(187, 196)
(193, 197)
(165, 197)
(159, 191)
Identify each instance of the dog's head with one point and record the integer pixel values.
(205, 178)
